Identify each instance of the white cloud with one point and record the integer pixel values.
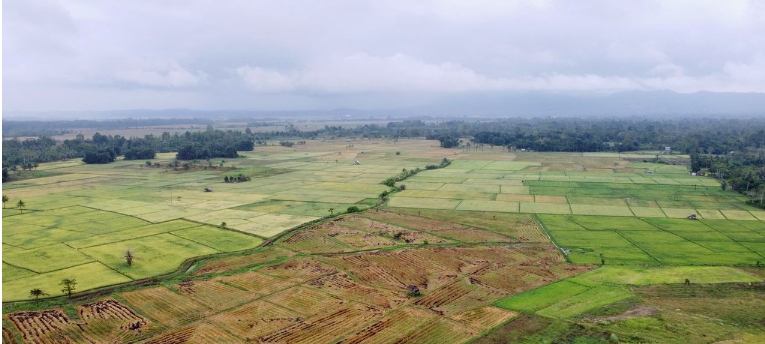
(360, 73)
(400, 73)
(667, 69)
(267, 81)
(305, 50)
(170, 75)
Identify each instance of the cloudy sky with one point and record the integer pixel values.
(101, 55)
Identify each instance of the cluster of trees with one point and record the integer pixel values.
(742, 171)
(236, 179)
(689, 135)
(552, 141)
(19, 205)
(404, 174)
(105, 148)
(99, 156)
(444, 162)
(391, 182)
(448, 141)
(290, 143)
(68, 286)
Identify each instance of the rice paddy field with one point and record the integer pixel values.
(571, 183)
(81, 221)
(503, 247)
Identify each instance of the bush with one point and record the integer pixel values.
(353, 209)
(99, 156)
(140, 153)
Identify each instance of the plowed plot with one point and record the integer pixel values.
(410, 268)
(484, 318)
(533, 269)
(360, 240)
(201, 333)
(306, 301)
(388, 230)
(164, 306)
(474, 235)
(460, 296)
(368, 273)
(439, 331)
(341, 285)
(500, 278)
(471, 259)
(105, 321)
(109, 321)
(332, 237)
(50, 326)
(391, 328)
(8, 337)
(255, 319)
(522, 226)
(441, 228)
(325, 327)
(214, 294)
(395, 270)
(257, 283)
(300, 270)
(238, 262)
(313, 242)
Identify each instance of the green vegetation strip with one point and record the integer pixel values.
(607, 285)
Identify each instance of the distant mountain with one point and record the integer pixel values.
(498, 104)
(655, 103)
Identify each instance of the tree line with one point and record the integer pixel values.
(101, 149)
(743, 172)
(48, 128)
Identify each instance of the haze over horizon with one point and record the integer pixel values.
(61, 55)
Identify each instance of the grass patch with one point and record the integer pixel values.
(536, 299)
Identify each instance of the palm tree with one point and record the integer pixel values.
(5, 200)
(36, 293)
(21, 205)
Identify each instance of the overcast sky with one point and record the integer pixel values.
(100, 55)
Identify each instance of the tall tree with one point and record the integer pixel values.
(21, 205)
(36, 293)
(68, 286)
(5, 200)
(129, 257)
